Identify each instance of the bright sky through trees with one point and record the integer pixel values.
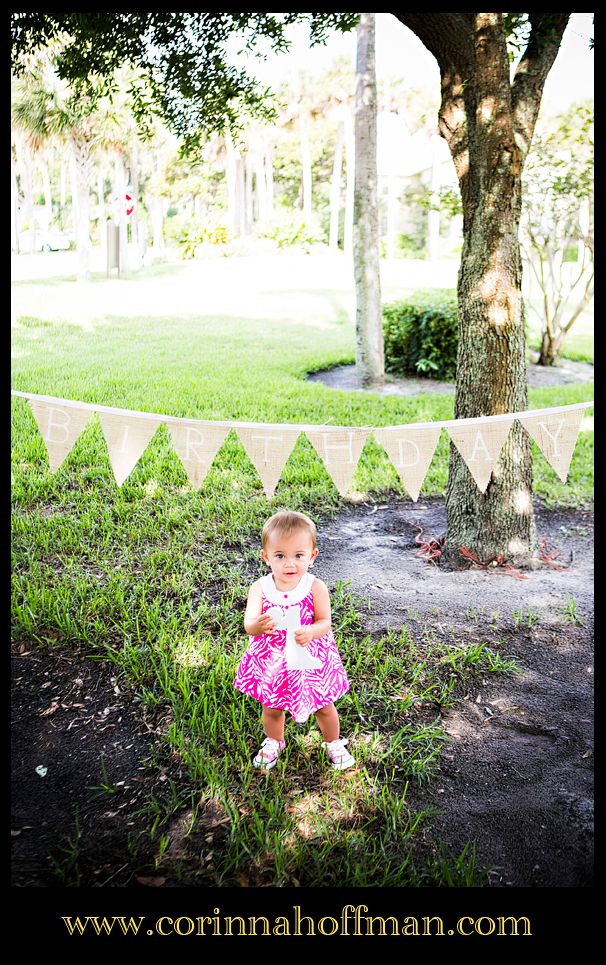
(401, 54)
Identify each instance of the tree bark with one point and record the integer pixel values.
(488, 124)
(350, 152)
(81, 155)
(24, 163)
(305, 163)
(335, 191)
(369, 320)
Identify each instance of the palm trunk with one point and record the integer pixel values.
(369, 320)
(305, 163)
(24, 162)
(14, 208)
(335, 191)
(120, 191)
(350, 151)
(269, 182)
(80, 154)
(46, 187)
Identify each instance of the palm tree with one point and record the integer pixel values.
(45, 108)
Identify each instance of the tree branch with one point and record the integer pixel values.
(532, 71)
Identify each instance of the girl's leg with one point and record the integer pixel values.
(328, 722)
(273, 723)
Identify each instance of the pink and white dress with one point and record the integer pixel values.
(263, 674)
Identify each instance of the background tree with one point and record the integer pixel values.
(557, 224)
(369, 321)
(488, 121)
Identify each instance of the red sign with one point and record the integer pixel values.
(128, 204)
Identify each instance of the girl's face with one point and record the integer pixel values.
(289, 557)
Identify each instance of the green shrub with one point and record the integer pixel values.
(421, 334)
(288, 229)
(188, 234)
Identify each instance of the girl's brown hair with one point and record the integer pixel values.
(288, 522)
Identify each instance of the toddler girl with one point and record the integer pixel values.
(292, 596)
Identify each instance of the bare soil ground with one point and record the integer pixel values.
(566, 372)
(517, 776)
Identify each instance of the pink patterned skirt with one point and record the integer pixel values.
(263, 674)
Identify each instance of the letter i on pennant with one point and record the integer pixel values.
(59, 426)
(127, 438)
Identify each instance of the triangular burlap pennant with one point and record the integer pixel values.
(59, 426)
(556, 436)
(197, 445)
(339, 449)
(127, 438)
(268, 448)
(411, 451)
(480, 446)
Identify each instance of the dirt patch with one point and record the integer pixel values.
(81, 754)
(517, 776)
(567, 372)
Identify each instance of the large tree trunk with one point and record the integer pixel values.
(488, 124)
(369, 321)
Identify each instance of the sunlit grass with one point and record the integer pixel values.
(153, 577)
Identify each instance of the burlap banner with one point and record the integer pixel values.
(268, 449)
(555, 433)
(340, 450)
(410, 447)
(197, 445)
(59, 426)
(127, 439)
(480, 447)
(411, 451)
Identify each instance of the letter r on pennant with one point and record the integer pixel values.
(190, 445)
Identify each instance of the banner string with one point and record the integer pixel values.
(441, 424)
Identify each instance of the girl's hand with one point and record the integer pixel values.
(303, 636)
(264, 624)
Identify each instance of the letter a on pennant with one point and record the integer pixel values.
(59, 426)
(127, 438)
(556, 436)
(340, 451)
(268, 448)
(411, 451)
(197, 444)
(480, 446)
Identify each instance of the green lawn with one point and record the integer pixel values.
(153, 576)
